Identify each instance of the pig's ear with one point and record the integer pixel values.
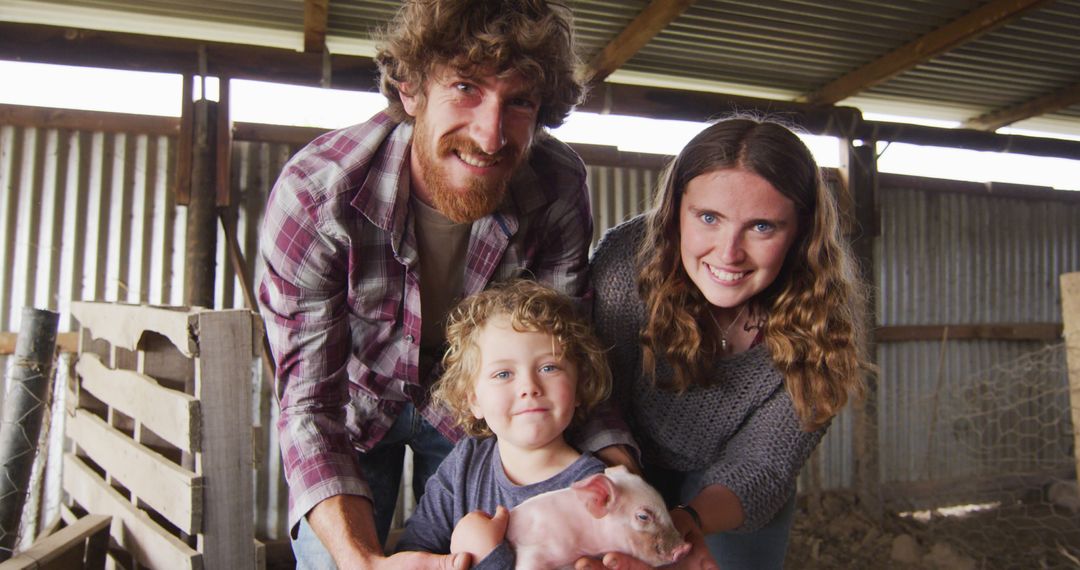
(597, 492)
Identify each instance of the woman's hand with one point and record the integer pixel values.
(478, 534)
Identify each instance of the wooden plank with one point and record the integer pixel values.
(1027, 192)
(290, 135)
(173, 415)
(963, 29)
(1046, 332)
(138, 52)
(132, 528)
(1070, 314)
(1048, 103)
(169, 489)
(45, 553)
(859, 215)
(123, 325)
(182, 178)
(223, 386)
(969, 139)
(701, 106)
(316, 16)
(640, 31)
(66, 342)
(223, 146)
(79, 120)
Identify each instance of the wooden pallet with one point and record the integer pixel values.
(160, 419)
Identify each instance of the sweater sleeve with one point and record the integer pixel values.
(761, 463)
(612, 279)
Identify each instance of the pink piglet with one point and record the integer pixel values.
(614, 511)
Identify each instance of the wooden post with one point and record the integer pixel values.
(201, 246)
(1070, 315)
(858, 169)
(225, 457)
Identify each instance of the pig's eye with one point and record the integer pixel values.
(644, 516)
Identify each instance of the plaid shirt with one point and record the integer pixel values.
(340, 294)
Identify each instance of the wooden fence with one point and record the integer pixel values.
(160, 419)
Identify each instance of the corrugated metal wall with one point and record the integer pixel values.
(971, 408)
(89, 216)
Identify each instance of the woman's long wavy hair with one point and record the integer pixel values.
(531, 37)
(814, 310)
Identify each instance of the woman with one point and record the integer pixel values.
(733, 309)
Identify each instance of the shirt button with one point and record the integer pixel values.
(408, 338)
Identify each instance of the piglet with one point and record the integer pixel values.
(614, 511)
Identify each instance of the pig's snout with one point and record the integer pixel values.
(680, 551)
(667, 548)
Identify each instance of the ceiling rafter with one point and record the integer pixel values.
(316, 17)
(1048, 103)
(959, 31)
(642, 29)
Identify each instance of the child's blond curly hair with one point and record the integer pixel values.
(530, 307)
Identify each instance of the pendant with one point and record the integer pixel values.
(723, 344)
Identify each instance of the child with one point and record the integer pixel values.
(521, 365)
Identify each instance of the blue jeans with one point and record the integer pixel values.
(382, 467)
(763, 549)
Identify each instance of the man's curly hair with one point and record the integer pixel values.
(531, 37)
(530, 306)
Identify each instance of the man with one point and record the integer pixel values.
(374, 231)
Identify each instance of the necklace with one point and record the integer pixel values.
(724, 335)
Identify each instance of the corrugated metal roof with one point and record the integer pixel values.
(767, 48)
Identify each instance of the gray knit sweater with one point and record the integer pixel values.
(742, 429)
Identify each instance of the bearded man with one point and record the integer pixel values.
(374, 231)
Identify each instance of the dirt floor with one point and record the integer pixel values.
(832, 532)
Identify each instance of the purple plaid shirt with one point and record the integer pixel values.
(340, 294)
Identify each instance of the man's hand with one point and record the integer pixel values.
(478, 534)
(421, 561)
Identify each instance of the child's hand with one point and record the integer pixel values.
(478, 534)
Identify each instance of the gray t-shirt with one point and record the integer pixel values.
(472, 478)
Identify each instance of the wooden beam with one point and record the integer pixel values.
(703, 106)
(63, 548)
(137, 52)
(66, 342)
(859, 212)
(966, 139)
(1070, 314)
(1044, 332)
(316, 16)
(640, 31)
(1027, 192)
(222, 385)
(963, 29)
(1048, 103)
(49, 118)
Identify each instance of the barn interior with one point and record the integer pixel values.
(962, 454)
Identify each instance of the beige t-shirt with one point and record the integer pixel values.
(441, 244)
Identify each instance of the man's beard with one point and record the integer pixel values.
(481, 195)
